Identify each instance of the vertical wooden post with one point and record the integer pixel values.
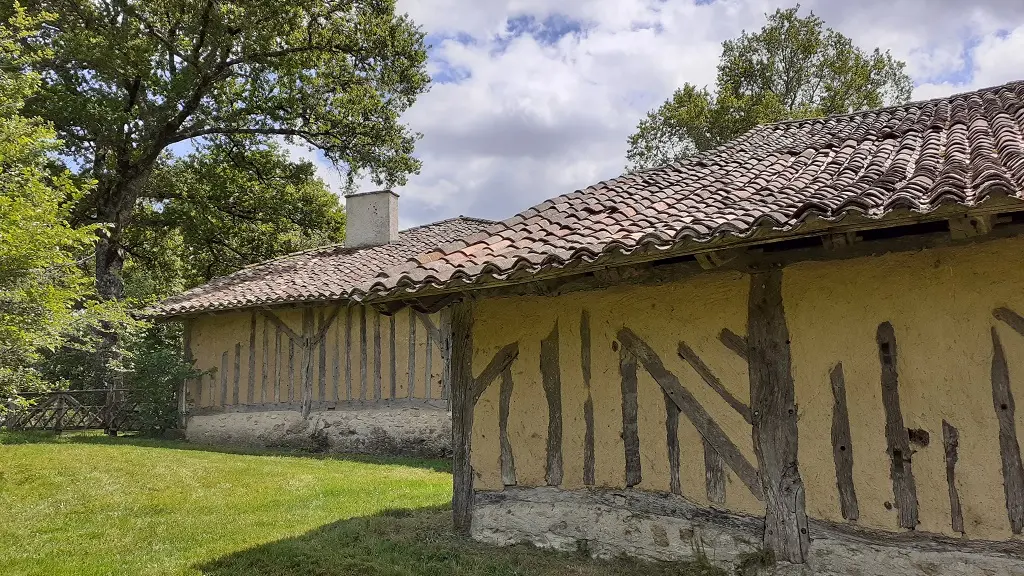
(363, 365)
(251, 379)
(901, 470)
(462, 414)
(714, 474)
(446, 353)
(588, 404)
(630, 426)
(190, 360)
(290, 397)
(842, 445)
(224, 378)
(237, 375)
(672, 441)
(428, 372)
(508, 462)
(773, 409)
(1009, 448)
(308, 352)
(393, 358)
(551, 378)
(348, 353)
(265, 363)
(336, 366)
(321, 379)
(278, 364)
(951, 443)
(378, 391)
(412, 354)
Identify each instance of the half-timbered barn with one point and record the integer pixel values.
(287, 360)
(807, 342)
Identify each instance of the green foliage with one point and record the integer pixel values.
(126, 80)
(149, 361)
(157, 371)
(792, 68)
(41, 287)
(223, 207)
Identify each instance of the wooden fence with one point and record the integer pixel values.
(100, 409)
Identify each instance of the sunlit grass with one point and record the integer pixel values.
(88, 505)
(91, 505)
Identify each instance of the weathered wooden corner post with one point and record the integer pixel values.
(461, 371)
(773, 410)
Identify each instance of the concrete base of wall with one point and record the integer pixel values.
(655, 526)
(394, 430)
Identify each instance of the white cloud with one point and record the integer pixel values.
(526, 120)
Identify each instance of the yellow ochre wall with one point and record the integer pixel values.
(344, 377)
(940, 303)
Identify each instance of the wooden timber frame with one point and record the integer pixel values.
(772, 410)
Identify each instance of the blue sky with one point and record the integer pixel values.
(533, 98)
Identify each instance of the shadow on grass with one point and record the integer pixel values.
(420, 542)
(98, 438)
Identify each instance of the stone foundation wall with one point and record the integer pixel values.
(659, 526)
(421, 430)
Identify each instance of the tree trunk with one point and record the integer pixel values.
(114, 209)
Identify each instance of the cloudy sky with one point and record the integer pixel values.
(535, 98)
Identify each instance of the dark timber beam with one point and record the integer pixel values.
(463, 391)
(630, 424)
(672, 439)
(951, 443)
(508, 461)
(691, 408)
(183, 404)
(773, 407)
(842, 445)
(280, 324)
(734, 342)
(588, 404)
(1010, 318)
(251, 377)
(308, 352)
(551, 378)
(698, 365)
(901, 469)
(502, 360)
(1009, 448)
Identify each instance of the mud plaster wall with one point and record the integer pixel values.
(940, 303)
(338, 364)
(693, 311)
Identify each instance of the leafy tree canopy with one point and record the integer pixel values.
(225, 206)
(41, 284)
(124, 80)
(793, 68)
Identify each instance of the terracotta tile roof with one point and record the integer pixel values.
(319, 274)
(773, 180)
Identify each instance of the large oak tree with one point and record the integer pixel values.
(794, 67)
(126, 80)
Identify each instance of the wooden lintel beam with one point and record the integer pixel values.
(716, 258)
(970, 226)
(839, 240)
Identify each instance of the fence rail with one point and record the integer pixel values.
(102, 409)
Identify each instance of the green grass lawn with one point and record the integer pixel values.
(87, 505)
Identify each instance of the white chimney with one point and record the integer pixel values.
(371, 218)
